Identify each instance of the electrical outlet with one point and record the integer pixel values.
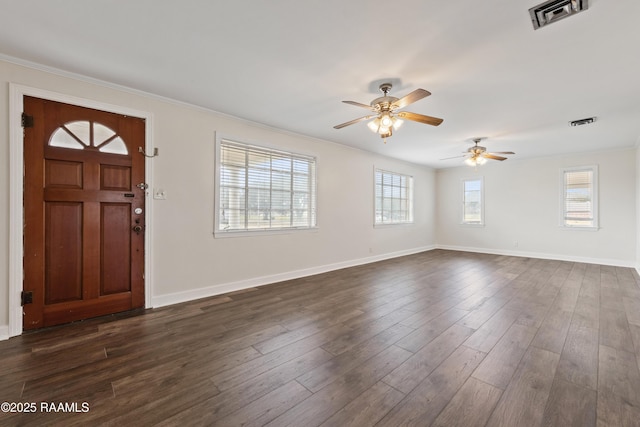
(159, 194)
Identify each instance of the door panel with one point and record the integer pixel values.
(116, 248)
(115, 177)
(82, 256)
(62, 174)
(63, 252)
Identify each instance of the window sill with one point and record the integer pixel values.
(472, 225)
(395, 224)
(254, 233)
(569, 228)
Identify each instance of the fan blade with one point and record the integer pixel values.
(491, 156)
(340, 126)
(454, 157)
(428, 120)
(358, 104)
(414, 96)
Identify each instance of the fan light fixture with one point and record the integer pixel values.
(384, 124)
(478, 155)
(475, 161)
(386, 117)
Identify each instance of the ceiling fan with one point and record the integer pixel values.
(478, 155)
(386, 117)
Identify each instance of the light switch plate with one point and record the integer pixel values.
(159, 194)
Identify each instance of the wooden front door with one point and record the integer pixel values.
(84, 213)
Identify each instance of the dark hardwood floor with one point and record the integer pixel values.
(440, 338)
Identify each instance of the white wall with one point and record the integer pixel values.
(187, 261)
(638, 206)
(522, 205)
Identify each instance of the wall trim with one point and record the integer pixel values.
(16, 172)
(541, 255)
(4, 332)
(179, 297)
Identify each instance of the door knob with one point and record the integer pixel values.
(137, 229)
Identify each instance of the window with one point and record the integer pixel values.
(394, 198)
(472, 206)
(80, 135)
(579, 198)
(260, 189)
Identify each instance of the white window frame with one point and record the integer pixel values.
(463, 202)
(594, 198)
(408, 186)
(231, 141)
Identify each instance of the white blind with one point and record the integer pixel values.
(264, 189)
(394, 198)
(472, 202)
(578, 198)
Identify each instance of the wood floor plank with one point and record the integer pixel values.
(610, 298)
(618, 374)
(553, 331)
(632, 309)
(614, 329)
(242, 372)
(209, 411)
(587, 312)
(635, 337)
(431, 312)
(431, 330)
(353, 337)
(533, 315)
(567, 297)
(579, 358)
(340, 365)
(614, 410)
(501, 362)
(332, 398)
(483, 312)
(524, 400)
(266, 408)
(411, 373)
(307, 317)
(570, 405)
(368, 408)
(488, 335)
(471, 406)
(429, 398)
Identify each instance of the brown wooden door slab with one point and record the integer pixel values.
(83, 252)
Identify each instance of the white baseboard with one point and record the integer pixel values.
(178, 297)
(540, 255)
(4, 332)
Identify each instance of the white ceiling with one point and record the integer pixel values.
(289, 63)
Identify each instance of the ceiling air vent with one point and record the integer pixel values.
(554, 10)
(581, 122)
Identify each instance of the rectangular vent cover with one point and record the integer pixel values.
(555, 10)
(581, 122)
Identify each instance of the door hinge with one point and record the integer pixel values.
(27, 120)
(26, 297)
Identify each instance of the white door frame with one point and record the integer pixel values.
(16, 191)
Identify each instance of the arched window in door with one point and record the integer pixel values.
(82, 134)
